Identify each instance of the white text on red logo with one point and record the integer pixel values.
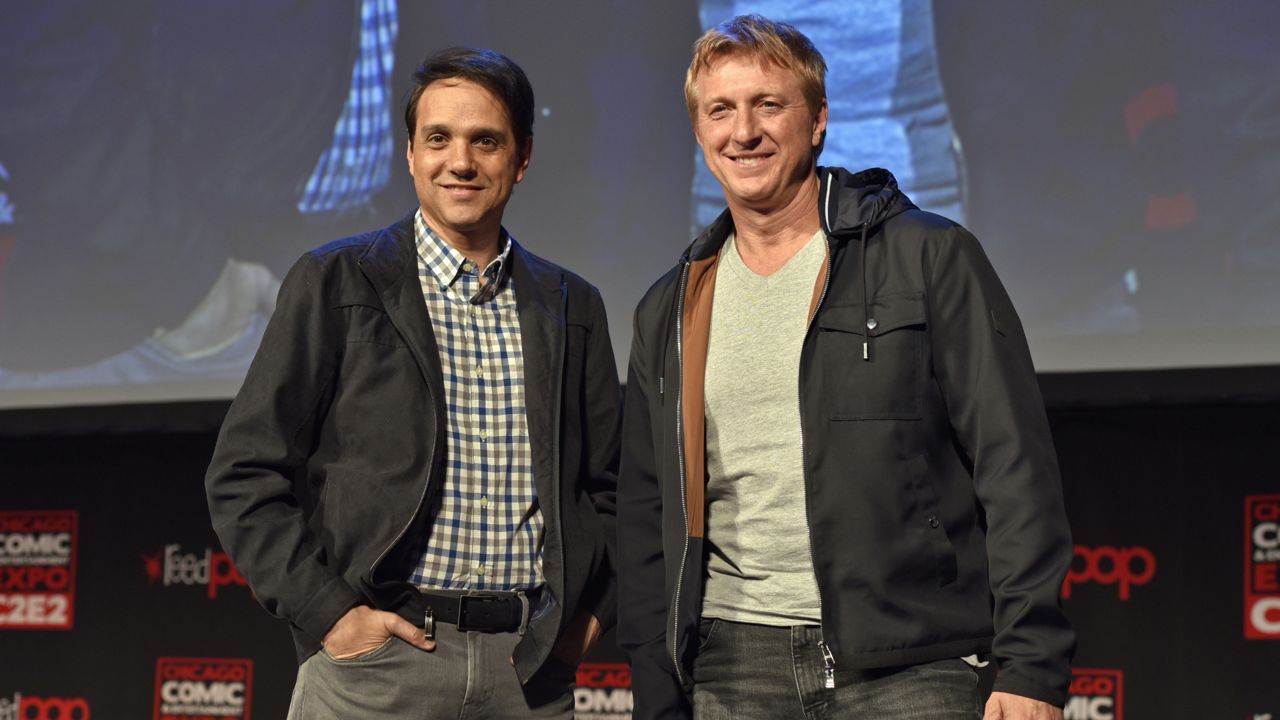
(1095, 694)
(202, 687)
(1262, 567)
(37, 569)
(603, 691)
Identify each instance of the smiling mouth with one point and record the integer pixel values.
(749, 160)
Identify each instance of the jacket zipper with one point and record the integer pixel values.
(828, 666)
(673, 639)
(555, 423)
(828, 659)
(555, 447)
(417, 508)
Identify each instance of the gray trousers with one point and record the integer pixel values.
(757, 672)
(468, 675)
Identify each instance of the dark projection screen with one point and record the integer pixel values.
(163, 164)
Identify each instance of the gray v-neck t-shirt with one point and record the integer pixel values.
(760, 569)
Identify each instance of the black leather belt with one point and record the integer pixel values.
(483, 611)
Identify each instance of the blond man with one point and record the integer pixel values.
(838, 494)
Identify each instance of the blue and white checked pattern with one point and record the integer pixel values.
(357, 163)
(487, 532)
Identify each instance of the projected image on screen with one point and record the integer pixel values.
(156, 184)
(163, 164)
(1120, 162)
(1123, 169)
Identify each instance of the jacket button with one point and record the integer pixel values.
(871, 324)
(933, 521)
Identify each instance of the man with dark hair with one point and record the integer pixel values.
(838, 491)
(418, 473)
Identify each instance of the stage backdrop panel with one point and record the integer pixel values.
(116, 600)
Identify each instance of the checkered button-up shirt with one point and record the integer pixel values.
(487, 531)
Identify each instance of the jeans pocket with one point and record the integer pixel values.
(369, 656)
(706, 632)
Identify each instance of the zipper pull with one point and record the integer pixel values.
(828, 665)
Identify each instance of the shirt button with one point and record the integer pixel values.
(468, 267)
(484, 435)
(484, 502)
(479, 371)
(480, 570)
(933, 521)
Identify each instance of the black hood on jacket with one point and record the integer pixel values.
(870, 197)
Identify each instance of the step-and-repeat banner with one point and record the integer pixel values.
(116, 600)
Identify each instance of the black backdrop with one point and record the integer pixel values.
(1158, 469)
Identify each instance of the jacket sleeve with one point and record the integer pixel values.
(262, 449)
(987, 379)
(601, 440)
(642, 597)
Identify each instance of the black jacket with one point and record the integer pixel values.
(932, 488)
(318, 482)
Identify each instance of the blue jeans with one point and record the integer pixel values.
(744, 672)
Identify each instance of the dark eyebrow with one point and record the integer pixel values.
(496, 133)
(429, 130)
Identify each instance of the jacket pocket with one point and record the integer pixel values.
(930, 525)
(888, 384)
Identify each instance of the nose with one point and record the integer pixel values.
(461, 162)
(746, 129)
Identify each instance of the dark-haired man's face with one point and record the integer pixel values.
(464, 160)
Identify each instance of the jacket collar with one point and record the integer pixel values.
(541, 304)
(390, 263)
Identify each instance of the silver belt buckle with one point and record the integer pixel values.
(466, 599)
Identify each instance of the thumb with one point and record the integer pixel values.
(994, 710)
(406, 631)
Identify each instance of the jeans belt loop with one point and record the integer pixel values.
(524, 612)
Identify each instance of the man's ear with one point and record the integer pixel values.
(408, 155)
(820, 126)
(526, 153)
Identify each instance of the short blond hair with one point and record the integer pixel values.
(771, 41)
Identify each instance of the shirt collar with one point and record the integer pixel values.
(446, 264)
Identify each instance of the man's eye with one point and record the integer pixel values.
(436, 139)
(487, 143)
(718, 111)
